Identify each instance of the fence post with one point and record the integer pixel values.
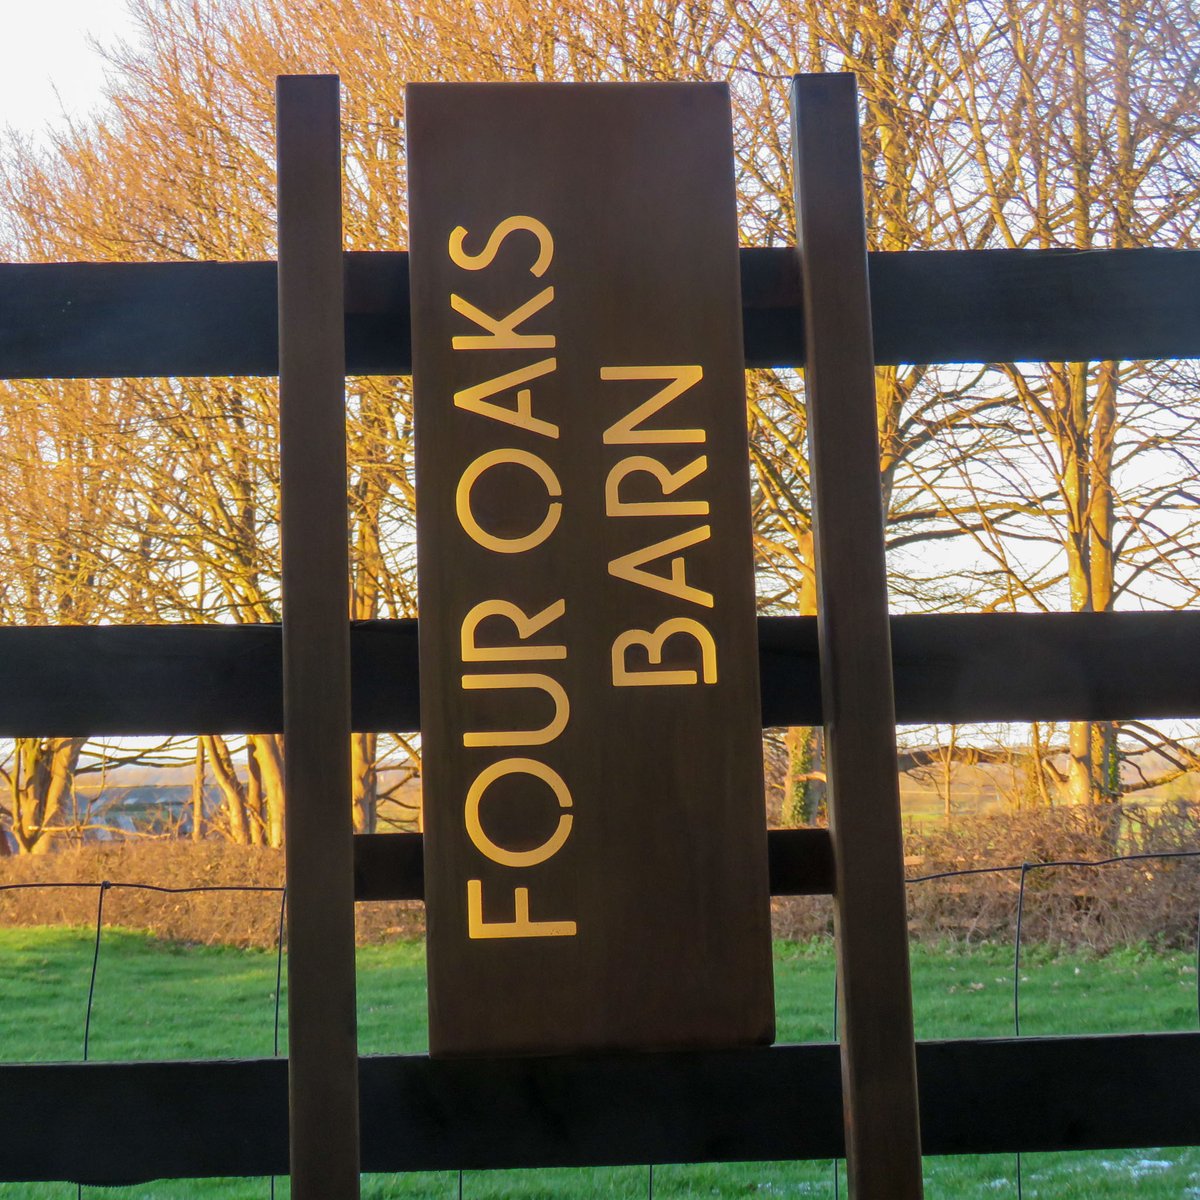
(322, 1038)
(879, 1081)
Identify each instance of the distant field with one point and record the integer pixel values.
(976, 793)
(159, 1000)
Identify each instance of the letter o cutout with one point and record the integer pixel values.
(517, 858)
(466, 518)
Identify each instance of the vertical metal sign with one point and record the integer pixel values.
(595, 844)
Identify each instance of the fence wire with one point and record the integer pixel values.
(1023, 870)
(104, 887)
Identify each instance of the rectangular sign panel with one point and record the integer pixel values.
(595, 845)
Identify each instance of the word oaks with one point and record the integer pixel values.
(595, 871)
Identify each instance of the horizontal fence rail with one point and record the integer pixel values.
(391, 866)
(199, 1119)
(100, 320)
(187, 679)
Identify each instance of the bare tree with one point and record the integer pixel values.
(998, 123)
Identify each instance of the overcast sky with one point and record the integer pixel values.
(46, 66)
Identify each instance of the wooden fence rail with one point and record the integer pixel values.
(102, 320)
(188, 679)
(112, 1123)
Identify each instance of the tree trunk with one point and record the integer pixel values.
(44, 773)
(364, 781)
(804, 800)
(232, 792)
(254, 796)
(1071, 403)
(198, 794)
(268, 753)
(948, 775)
(1080, 779)
(1038, 767)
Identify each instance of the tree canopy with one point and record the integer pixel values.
(986, 124)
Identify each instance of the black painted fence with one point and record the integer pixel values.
(203, 1119)
(186, 319)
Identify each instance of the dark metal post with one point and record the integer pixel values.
(879, 1081)
(322, 1038)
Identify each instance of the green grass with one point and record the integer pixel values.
(156, 1000)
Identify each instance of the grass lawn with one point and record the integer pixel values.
(157, 1000)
